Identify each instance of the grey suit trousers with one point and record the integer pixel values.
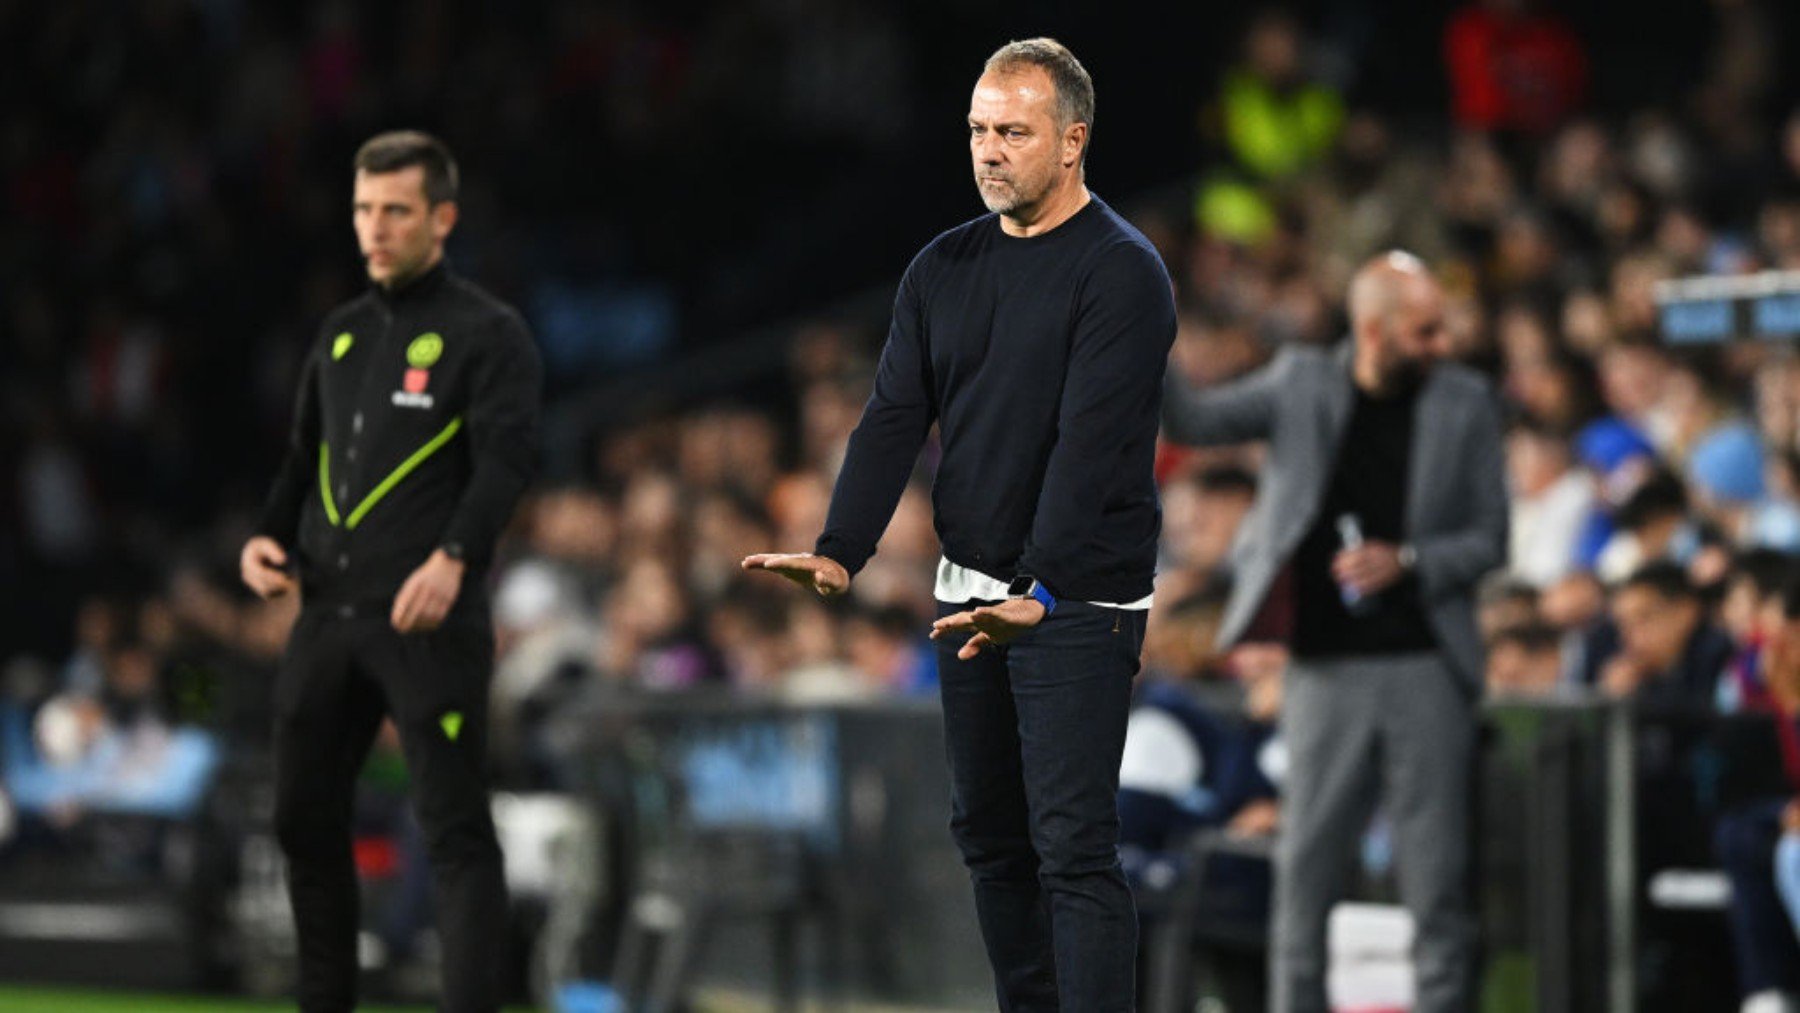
(1401, 728)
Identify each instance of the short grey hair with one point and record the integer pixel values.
(1074, 89)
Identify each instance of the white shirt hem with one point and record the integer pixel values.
(958, 584)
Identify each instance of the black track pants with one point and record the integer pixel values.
(340, 678)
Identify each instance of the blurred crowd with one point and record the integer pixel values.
(174, 222)
(1655, 492)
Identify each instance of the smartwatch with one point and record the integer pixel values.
(1026, 586)
(454, 550)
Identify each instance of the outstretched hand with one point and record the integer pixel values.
(819, 573)
(993, 625)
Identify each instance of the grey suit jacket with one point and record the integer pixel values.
(1456, 507)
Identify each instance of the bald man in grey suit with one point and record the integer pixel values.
(1382, 504)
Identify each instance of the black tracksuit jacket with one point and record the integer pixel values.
(415, 428)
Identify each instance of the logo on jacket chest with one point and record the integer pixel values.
(422, 354)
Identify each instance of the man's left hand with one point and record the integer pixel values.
(1369, 569)
(425, 599)
(993, 625)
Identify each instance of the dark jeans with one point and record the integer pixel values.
(340, 678)
(1035, 731)
(1767, 955)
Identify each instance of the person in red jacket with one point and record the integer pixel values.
(1513, 69)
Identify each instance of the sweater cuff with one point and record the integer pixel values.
(836, 548)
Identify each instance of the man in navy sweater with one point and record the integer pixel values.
(1036, 337)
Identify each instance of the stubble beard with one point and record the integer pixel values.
(400, 272)
(1005, 199)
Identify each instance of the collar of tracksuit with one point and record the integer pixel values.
(416, 288)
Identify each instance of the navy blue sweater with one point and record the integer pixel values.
(1041, 359)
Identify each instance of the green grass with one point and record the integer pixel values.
(61, 1000)
(1510, 984)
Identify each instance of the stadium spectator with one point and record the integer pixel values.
(1551, 501)
(1181, 642)
(1524, 661)
(1620, 458)
(1189, 766)
(1273, 122)
(1653, 526)
(1502, 603)
(1194, 764)
(1204, 515)
(1750, 606)
(115, 752)
(1668, 653)
(1756, 842)
(1513, 68)
(1277, 121)
(888, 652)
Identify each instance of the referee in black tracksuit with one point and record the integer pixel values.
(413, 437)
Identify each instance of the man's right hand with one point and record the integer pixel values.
(260, 564)
(820, 573)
